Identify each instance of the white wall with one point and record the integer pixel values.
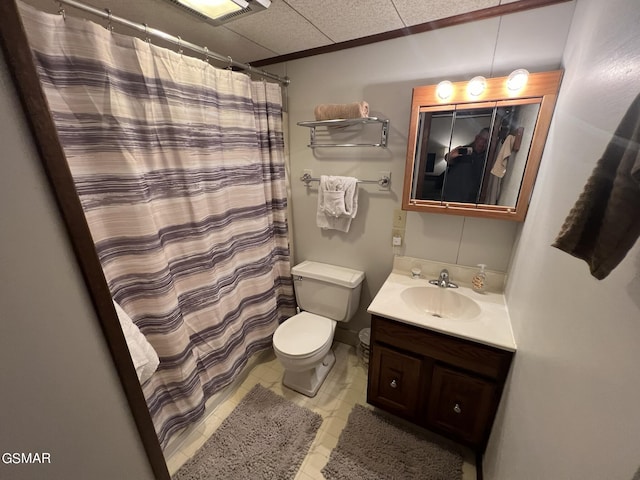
(60, 393)
(571, 408)
(384, 74)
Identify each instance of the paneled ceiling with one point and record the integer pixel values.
(294, 28)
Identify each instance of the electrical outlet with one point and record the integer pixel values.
(397, 235)
(399, 218)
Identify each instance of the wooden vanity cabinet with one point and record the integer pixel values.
(449, 385)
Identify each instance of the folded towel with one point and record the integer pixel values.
(145, 359)
(334, 203)
(334, 111)
(337, 202)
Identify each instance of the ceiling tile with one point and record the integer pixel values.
(413, 13)
(280, 29)
(342, 21)
(287, 26)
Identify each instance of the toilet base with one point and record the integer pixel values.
(309, 381)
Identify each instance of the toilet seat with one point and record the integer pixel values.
(303, 335)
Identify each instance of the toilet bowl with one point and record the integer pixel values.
(302, 344)
(327, 294)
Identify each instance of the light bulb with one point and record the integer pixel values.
(444, 89)
(517, 79)
(476, 85)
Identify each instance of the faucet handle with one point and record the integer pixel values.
(443, 281)
(416, 272)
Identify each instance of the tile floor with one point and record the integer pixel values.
(345, 386)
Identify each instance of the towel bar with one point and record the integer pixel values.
(384, 181)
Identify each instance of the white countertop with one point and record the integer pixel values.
(491, 327)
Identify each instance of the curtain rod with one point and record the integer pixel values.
(141, 27)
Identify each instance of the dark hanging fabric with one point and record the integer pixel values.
(604, 223)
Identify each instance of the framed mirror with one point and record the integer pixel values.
(478, 155)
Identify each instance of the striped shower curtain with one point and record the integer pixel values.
(180, 170)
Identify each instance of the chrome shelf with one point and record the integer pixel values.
(346, 122)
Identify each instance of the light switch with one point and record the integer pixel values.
(399, 218)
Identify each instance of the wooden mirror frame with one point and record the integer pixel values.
(543, 86)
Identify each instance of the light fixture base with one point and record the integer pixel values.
(517, 79)
(444, 90)
(476, 86)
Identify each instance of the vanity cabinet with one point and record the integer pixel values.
(449, 385)
(397, 383)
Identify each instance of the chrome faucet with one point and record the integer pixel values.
(443, 280)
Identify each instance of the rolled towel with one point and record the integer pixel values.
(334, 111)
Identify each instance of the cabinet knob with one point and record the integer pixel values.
(393, 383)
(457, 409)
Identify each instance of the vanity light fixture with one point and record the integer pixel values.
(444, 90)
(218, 12)
(476, 85)
(517, 79)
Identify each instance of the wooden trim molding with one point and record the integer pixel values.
(20, 63)
(490, 12)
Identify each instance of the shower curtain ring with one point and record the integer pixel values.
(180, 45)
(146, 33)
(230, 67)
(61, 11)
(109, 26)
(206, 54)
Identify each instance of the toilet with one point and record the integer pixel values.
(326, 294)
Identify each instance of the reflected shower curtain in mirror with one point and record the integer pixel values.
(180, 170)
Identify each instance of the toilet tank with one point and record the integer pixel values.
(327, 290)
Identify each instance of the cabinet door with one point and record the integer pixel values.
(395, 381)
(460, 404)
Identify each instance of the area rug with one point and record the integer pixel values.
(265, 437)
(374, 447)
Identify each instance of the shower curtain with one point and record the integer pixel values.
(180, 170)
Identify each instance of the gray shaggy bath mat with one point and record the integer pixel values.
(265, 437)
(373, 447)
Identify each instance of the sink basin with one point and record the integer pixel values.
(440, 302)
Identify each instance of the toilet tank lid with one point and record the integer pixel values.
(329, 273)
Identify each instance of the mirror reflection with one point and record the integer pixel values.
(477, 153)
(473, 154)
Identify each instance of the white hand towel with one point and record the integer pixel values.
(500, 165)
(334, 203)
(337, 202)
(145, 359)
